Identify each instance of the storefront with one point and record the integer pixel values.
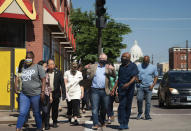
(31, 25)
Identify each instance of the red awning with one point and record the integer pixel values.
(73, 42)
(60, 17)
(70, 33)
(28, 5)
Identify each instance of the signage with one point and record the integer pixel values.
(4, 4)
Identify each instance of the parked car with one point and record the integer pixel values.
(155, 89)
(175, 89)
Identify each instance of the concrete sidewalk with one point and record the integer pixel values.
(10, 117)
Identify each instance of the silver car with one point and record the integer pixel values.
(155, 89)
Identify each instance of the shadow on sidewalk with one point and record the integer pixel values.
(113, 126)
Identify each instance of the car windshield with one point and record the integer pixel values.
(180, 77)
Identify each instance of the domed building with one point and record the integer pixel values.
(135, 52)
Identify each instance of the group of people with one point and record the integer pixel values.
(41, 85)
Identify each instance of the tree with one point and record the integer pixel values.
(140, 59)
(85, 32)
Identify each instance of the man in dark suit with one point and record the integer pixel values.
(56, 81)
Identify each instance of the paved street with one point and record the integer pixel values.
(174, 119)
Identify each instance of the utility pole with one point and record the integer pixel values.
(99, 41)
(152, 59)
(187, 64)
(100, 22)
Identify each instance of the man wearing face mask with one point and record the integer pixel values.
(148, 76)
(126, 85)
(55, 82)
(99, 74)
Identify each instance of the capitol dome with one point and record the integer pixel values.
(135, 52)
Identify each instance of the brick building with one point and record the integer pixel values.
(41, 26)
(178, 58)
(162, 68)
(47, 33)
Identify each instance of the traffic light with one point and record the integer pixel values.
(100, 10)
(101, 22)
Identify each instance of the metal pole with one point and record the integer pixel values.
(187, 55)
(99, 41)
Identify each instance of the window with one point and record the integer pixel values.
(12, 34)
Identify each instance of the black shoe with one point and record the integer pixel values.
(70, 120)
(55, 125)
(148, 118)
(76, 122)
(139, 116)
(47, 127)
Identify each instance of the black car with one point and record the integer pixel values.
(175, 89)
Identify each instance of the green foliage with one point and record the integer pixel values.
(140, 59)
(85, 31)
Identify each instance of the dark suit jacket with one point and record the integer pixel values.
(58, 83)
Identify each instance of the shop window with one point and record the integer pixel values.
(12, 34)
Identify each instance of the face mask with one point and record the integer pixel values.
(145, 64)
(103, 62)
(28, 61)
(73, 72)
(125, 61)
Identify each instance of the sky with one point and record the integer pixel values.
(157, 25)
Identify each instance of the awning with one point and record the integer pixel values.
(60, 16)
(18, 9)
(50, 20)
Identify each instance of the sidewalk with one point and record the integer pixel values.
(10, 117)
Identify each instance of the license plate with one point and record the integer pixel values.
(188, 98)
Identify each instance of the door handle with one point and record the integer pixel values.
(8, 89)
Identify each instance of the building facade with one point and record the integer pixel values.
(178, 58)
(41, 26)
(162, 68)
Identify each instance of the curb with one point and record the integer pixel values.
(14, 121)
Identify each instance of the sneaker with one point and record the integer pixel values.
(95, 127)
(83, 111)
(126, 127)
(70, 120)
(76, 122)
(121, 127)
(112, 118)
(139, 116)
(47, 127)
(148, 117)
(55, 125)
(109, 121)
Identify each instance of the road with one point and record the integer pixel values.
(174, 119)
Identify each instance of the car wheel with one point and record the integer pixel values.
(160, 101)
(167, 101)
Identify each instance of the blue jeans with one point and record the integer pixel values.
(110, 109)
(100, 103)
(141, 93)
(25, 102)
(125, 103)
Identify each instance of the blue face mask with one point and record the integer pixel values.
(28, 61)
